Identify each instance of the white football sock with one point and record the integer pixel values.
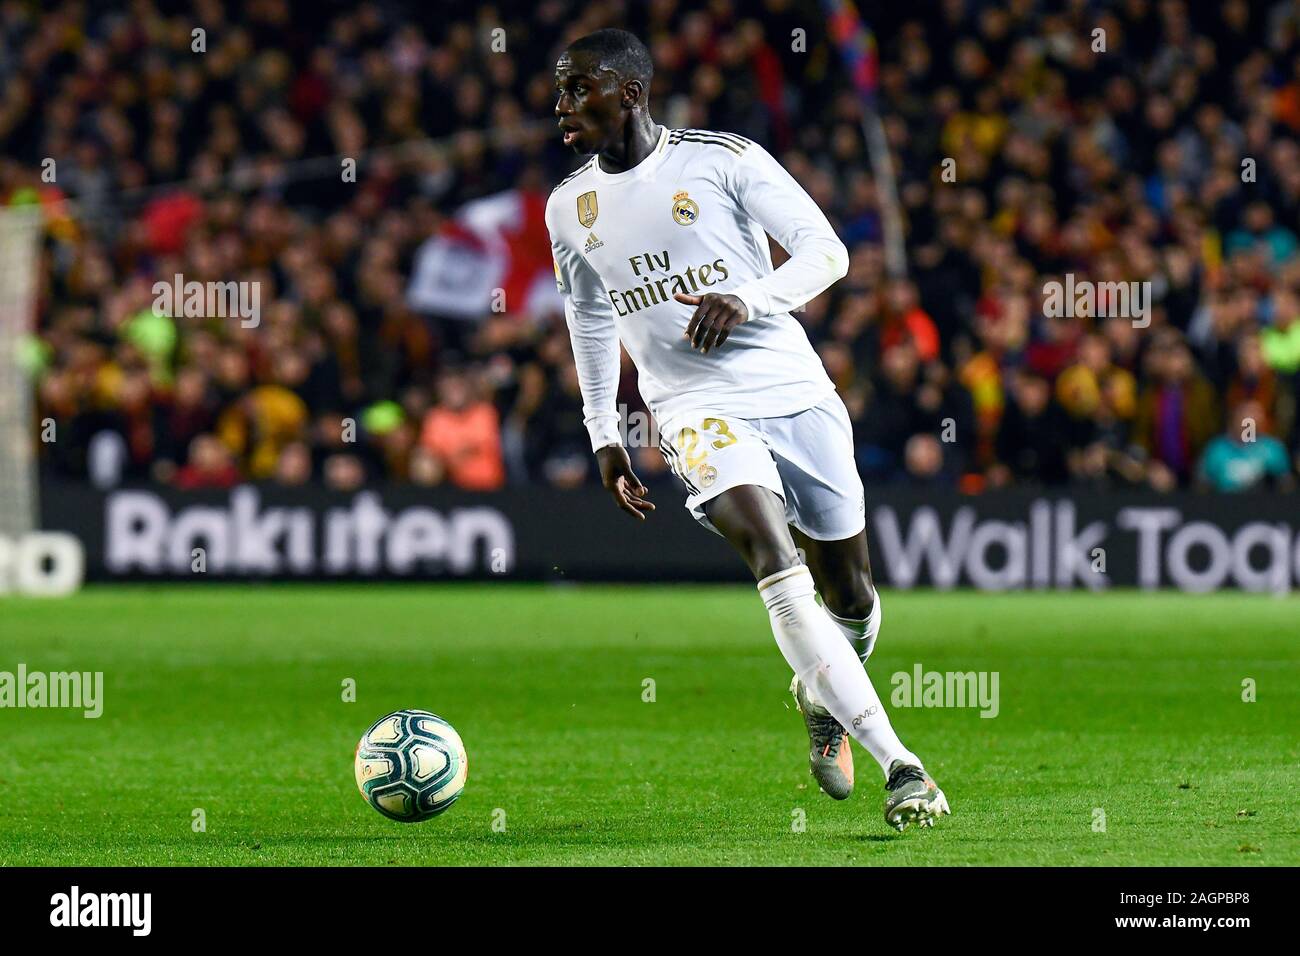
(861, 634)
(814, 648)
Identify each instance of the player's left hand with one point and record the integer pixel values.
(715, 316)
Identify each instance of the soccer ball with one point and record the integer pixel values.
(411, 765)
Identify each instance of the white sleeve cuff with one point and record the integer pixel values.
(754, 299)
(603, 431)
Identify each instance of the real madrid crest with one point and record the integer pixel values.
(708, 475)
(685, 211)
(587, 209)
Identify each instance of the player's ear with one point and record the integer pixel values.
(632, 91)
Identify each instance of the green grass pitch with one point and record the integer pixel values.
(229, 699)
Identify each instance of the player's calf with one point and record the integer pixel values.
(860, 631)
(842, 570)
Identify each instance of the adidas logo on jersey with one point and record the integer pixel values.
(592, 243)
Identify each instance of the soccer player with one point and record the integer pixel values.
(659, 243)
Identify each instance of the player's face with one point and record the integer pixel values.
(589, 105)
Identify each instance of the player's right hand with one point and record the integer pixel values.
(619, 480)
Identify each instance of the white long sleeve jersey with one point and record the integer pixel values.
(691, 218)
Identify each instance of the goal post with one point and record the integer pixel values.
(20, 232)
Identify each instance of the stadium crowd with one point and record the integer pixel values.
(1029, 148)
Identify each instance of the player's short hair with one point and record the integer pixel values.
(620, 51)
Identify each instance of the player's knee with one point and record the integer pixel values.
(852, 598)
(767, 561)
(766, 554)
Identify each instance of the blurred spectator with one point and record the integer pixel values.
(924, 461)
(179, 417)
(1260, 234)
(892, 413)
(1177, 413)
(294, 467)
(1281, 342)
(210, 465)
(1030, 444)
(463, 433)
(1243, 457)
(565, 456)
(906, 321)
(426, 469)
(344, 472)
(260, 424)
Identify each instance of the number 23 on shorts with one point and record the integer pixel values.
(688, 440)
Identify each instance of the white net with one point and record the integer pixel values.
(20, 230)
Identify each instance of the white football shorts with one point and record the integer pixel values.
(806, 458)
